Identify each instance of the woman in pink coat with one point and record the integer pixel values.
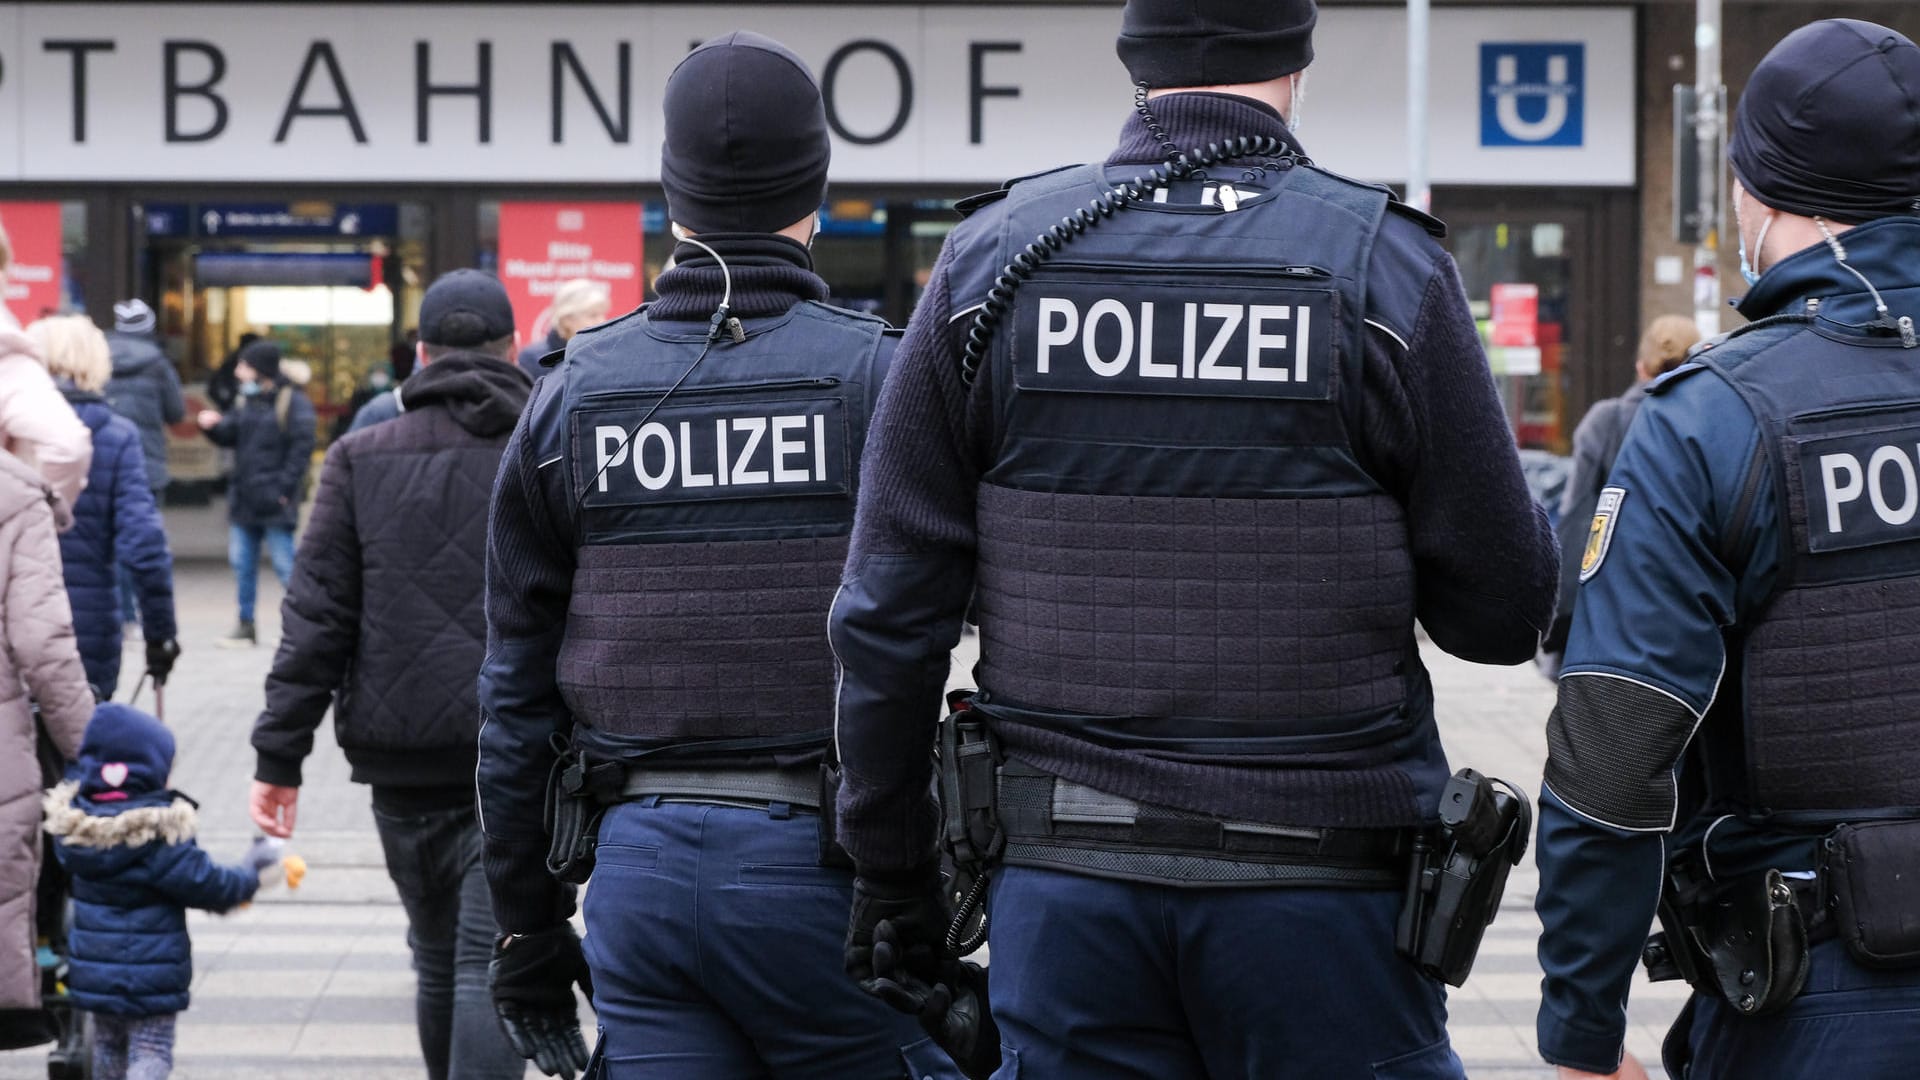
(36, 423)
(38, 659)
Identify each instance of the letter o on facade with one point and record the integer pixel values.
(829, 82)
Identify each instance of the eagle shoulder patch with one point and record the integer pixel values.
(1606, 515)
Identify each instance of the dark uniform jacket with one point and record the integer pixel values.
(1426, 427)
(384, 619)
(1682, 566)
(638, 623)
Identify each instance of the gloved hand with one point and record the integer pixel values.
(533, 976)
(160, 658)
(266, 858)
(916, 912)
(955, 1011)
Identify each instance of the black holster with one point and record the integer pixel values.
(1459, 872)
(1743, 941)
(578, 790)
(971, 839)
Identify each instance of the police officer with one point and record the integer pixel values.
(668, 526)
(1199, 459)
(1741, 671)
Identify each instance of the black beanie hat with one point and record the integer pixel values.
(746, 137)
(1829, 125)
(1176, 43)
(263, 357)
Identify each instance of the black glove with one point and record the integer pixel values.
(160, 658)
(915, 948)
(955, 1011)
(533, 976)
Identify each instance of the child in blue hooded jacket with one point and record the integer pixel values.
(126, 839)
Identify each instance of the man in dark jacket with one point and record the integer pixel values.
(384, 622)
(270, 429)
(145, 389)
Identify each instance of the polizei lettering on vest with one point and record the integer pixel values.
(1862, 489)
(709, 451)
(1199, 341)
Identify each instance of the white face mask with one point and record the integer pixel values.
(1298, 93)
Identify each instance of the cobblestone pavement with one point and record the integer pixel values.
(316, 983)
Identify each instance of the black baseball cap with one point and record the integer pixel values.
(464, 308)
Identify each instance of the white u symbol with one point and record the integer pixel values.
(1507, 108)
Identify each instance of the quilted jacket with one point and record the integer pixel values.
(136, 870)
(115, 522)
(38, 658)
(384, 619)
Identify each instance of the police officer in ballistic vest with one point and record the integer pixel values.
(668, 527)
(1744, 666)
(1199, 432)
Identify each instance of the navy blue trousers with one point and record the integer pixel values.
(716, 943)
(1106, 980)
(1848, 1021)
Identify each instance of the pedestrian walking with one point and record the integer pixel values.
(577, 304)
(126, 841)
(38, 663)
(36, 425)
(145, 389)
(1196, 433)
(270, 429)
(384, 624)
(669, 522)
(1596, 443)
(1736, 743)
(116, 524)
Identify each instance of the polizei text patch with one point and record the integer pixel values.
(710, 450)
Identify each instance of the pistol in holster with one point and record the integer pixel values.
(971, 837)
(579, 790)
(1458, 873)
(1743, 941)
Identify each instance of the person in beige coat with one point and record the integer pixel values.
(38, 660)
(36, 423)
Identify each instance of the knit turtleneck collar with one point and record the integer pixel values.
(1194, 120)
(770, 274)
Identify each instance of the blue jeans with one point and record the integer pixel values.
(243, 551)
(434, 861)
(716, 940)
(1113, 980)
(1848, 1021)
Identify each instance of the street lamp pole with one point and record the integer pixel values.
(1710, 110)
(1419, 191)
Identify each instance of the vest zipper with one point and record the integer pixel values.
(783, 384)
(1863, 409)
(1297, 273)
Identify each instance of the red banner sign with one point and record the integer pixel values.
(33, 281)
(545, 244)
(1516, 315)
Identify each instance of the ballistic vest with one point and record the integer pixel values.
(711, 525)
(1178, 548)
(1830, 668)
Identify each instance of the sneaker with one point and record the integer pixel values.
(241, 636)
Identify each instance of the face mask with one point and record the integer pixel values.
(380, 380)
(1747, 269)
(249, 389)
(1298, 95)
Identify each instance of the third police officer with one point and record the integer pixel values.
(1198, 432)
(1744, 667)
(668, 527)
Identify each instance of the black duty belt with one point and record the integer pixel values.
(754, 788)
(1053, 823)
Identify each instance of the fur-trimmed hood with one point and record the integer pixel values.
(175, 822)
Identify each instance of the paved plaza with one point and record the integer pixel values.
(316, 983)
